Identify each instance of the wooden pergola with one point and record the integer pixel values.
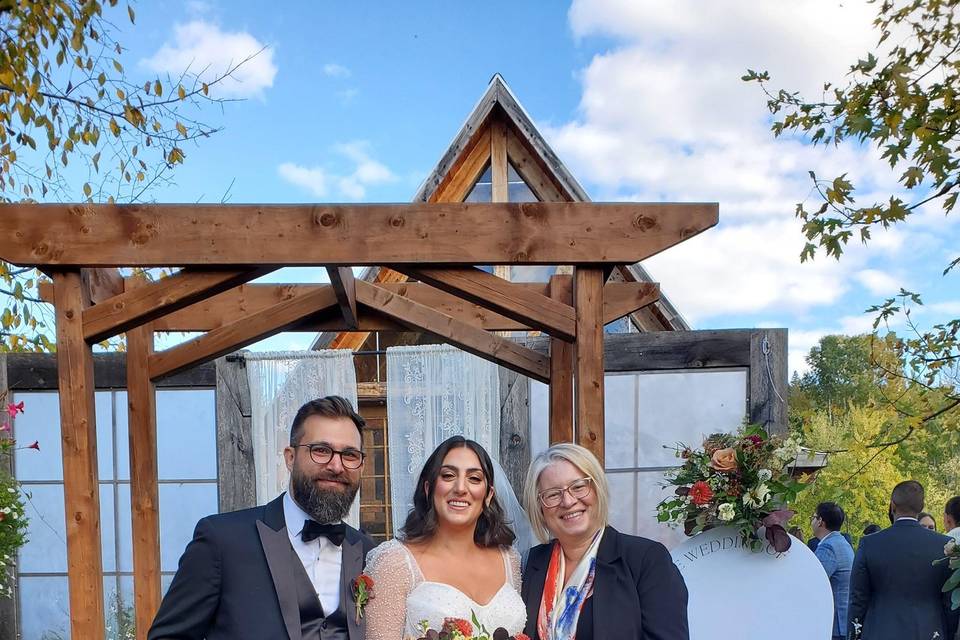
(220, 248)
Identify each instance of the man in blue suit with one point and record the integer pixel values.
(895, 589)
(836, 556)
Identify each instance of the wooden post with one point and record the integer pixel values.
(561, 377)
(235, 466)
(498, 178)
(144, 489)
(588, 378)
(80, 481)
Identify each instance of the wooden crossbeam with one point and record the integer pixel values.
(242, 332)
(341, 278)
(487, 290)
(101, 235)
(141, 304)
(469, 338)
(100, 284)
(78, 432)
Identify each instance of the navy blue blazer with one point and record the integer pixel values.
(638, 592)
(235, 580)
(895, 590)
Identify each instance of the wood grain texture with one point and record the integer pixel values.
(371, 234)
(561, 373)
(144, 488)
(487, 290)
(768, 380)
(341, 279)
(476, 341)
(588, 370)
(235, 465)
(241, 332)
(144, 302)
(78, 434)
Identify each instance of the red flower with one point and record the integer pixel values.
(700, 493)
(755, 441)
(2, 516)
(521, 636)
(457, 624)
(365, 579)
(13, 409)
(35, 445)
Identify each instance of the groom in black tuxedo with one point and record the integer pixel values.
(282, 570)
(895, 589)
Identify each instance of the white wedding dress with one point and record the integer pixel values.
(402, 598)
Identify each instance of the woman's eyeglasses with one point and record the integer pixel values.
(577, 489)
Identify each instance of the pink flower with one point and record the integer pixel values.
(13, 409)
(4, 427)
(35, 445)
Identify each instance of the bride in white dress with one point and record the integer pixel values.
(453, 558)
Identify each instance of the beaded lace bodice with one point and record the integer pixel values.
(402, 597)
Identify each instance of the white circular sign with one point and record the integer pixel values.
(739, 594)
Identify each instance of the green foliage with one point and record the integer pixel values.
(903, 101)
(72, 121)
(869, 425)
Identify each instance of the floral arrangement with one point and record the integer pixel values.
(13, 524)
(362, 589)
(460, 629)
(951, 552)
(739, 480)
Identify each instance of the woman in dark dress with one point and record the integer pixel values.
(589, 581)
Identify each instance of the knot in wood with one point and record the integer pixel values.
(326, 219)
(68, 314)
(644, 223)
(397, 221)
(593, 436)
(520, 256)
(41, 249)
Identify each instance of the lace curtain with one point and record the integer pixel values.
(280, 383)
(434, 392)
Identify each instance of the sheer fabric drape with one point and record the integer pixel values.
(280, 383)
(434, 392)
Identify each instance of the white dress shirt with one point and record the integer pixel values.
(955, 534)
(321, 558)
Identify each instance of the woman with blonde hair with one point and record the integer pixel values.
(589, 581)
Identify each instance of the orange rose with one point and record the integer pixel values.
(724, 460)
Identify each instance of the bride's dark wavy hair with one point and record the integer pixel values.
(492, 528)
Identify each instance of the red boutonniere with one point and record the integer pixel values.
(362, 587)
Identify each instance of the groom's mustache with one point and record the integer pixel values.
(332, 477)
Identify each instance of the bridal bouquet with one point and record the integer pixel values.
(460, 629)
(951, 552)
(739, 480)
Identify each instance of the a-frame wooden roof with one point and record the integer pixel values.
(542, 170)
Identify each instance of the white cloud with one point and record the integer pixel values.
(205, 49)
(879, 282)
(664, 116)
(335, 70)
(323, 182)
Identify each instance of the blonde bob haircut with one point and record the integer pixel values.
(579, 457)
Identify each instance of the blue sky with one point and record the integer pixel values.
(357, 101)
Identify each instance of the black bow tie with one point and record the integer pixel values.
(332, 532)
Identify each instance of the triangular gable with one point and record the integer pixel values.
(499, 117)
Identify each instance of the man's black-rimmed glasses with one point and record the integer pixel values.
(323, 454)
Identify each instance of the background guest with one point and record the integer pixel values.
(951, 518)
(836, 556)
(589, 581)
(895, 589)
(927, 522)
(871, 528)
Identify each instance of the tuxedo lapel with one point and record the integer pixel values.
(351, 566)
(280, 557)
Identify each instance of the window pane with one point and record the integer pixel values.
(118, 606)
(108, 529)
(181, 506)
(531, 273)
(40, 421)
(46, 549)
(186, 434)
(623, 501)
(123, 436)
(650, 491)
(124, 529)
(44, 608)
(517, 189)
(483, 190)
(620, 417)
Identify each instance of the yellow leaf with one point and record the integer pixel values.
(181, 92)
(121, 94)
(114, 127)
(130, 13)
(182, 129)
(86, 189)
(158, 88)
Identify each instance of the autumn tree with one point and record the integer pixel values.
(902, 99)
(75, 125)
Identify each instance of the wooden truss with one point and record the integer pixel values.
(220, 248)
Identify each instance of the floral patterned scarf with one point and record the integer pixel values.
(560, 607)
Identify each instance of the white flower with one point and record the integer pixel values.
(762, 492)
(764, 474)
(726, 512)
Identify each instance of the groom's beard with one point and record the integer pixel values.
(322, 504)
